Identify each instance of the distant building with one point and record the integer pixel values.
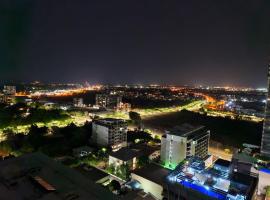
(108, 101)
(110, 132)
(9, 90)
(49, 105)
(182, 142)
(265, 143)
(78, 102)
(9, 93)
(36, 176)
(193, 180)
(1, 98)
(126, 107)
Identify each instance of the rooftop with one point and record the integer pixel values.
(187, 130)
(153, 172)
(138, 195)
(36, 176)
(211, 181)
(109, 121)
(223, 163)
(92, 173)
(125, 154)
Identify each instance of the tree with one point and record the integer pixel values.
(138, 135)
(135, 118)
(36, 136)
(111, 169)
(123, 171)
(114, 186)
(17, 141)
(26, 148)
(157, 139)
(5, 149)
(142, 161)
(69, 130)
(267, 192)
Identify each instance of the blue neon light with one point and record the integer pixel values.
(265, 170)
(203, 190)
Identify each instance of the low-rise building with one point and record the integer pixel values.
(124, 156)
(151, 179)
(131, 156)
(37, 177)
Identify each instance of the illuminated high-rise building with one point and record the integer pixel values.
(110, 133)
(182, 142)
(9, 93)
(78, 102)
(265, 143)
(109, 101)
(9, 90)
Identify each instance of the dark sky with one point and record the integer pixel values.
(224, 42)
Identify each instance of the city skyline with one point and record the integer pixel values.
(177, 42)
(138, 99)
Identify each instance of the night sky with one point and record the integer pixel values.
(224, 42)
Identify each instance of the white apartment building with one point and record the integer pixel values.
(110, 132)
(182, 142)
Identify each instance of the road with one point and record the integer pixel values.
(220, 153)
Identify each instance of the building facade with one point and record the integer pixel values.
(124, 156)
(78, 102)
(151, 179)
(110, 132)
(182, 142)
(9, 93)
(9, 90)
(108, 101)
(265, 143)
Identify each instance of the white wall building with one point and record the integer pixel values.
(151, 179)
(110, 132)
(182, 142)
(78, 102)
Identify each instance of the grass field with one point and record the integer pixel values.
(224, 130)
(150, 112)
